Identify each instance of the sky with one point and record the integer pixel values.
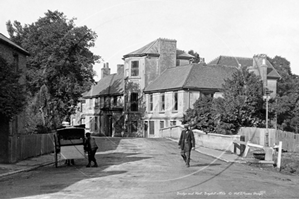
(240, 28)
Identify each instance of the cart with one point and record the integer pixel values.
(69, 143)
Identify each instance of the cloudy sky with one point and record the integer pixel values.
(212, 28)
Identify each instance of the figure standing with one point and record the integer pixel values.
(186, 143)
(91, 147)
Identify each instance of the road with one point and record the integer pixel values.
(149, 168)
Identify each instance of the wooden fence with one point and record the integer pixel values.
(261, 136)
(25, 146)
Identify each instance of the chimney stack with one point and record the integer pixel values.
(120, 69)
(105, 71)
(260, 61)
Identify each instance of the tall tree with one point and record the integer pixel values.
(242, 102)
(60, 65)
(287, 105)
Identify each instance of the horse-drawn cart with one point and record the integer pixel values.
(69, 144)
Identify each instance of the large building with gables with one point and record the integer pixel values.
(154, 87)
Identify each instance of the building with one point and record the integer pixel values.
(15, 55)
(259, 64)
(177, 89)
(101, 108)
(156, 85)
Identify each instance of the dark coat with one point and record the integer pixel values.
(187, 140)
(90, 144)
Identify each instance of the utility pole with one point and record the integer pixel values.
(267, 98)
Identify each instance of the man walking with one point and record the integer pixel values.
(186, 143)
(91, 147)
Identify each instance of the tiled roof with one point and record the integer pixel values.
(192, 76)
(109, 85)
(242, 61)
(151, 48)
(12, 44)
(232, 61)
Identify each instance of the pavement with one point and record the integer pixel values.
(48, 159)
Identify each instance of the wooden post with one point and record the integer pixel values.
(279, 154)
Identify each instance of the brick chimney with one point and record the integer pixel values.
(120, 69)
(105, 71)
(167, 54)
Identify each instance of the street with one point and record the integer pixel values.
(149, 168)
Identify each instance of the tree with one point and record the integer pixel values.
(60, 65)
(287, 100)
(201, 115)
(242, 103)
(12, 93)
(196, 55)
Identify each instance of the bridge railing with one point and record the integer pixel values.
(170, 132)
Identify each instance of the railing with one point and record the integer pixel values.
(170, 132)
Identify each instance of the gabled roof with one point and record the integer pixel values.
(149, 49)
(109, 85)
(232, 61)
(12, 44)
(192, 76)
(243, 61)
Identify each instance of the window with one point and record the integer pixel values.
(135, 68)
(151, 127)
(91, 123)
(115, 101)
(172, 123)
(90, 103)
(134, 102)
(161, 124)
(101, 102)
(96, 124)
(162, 101)
(106, 101)
(150, 102)
(175, 101)
(97, 103)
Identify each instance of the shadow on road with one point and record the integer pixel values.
(52, 180)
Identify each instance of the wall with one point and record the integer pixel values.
(216, 141)
(168, 114)
(211, 140)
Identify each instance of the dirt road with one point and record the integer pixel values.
(149, 168)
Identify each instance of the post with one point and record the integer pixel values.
(267, 96)
(279, 154)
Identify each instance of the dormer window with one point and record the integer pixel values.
(135, 68)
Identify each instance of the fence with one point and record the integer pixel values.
(290, 141)
(25, 146)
